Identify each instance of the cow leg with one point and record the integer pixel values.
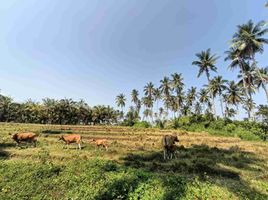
(79, 146)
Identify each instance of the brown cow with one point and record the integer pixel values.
(168, 142)
(101, 142)
(72, 138)
(25, 137)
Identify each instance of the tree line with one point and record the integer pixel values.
(247, 42)
(51, 111)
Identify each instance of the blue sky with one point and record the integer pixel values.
(97, 49)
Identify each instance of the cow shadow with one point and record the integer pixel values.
(4, 154)
(56, 132)
(205, 163)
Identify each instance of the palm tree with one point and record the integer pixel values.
(149, 90)
(249, 40)
(191, 96)
(230, 112)
(217, 86)
(165, 90)
(203, 97)
(135, 96)
(248, 80)
(121, 101)
(161, 112)
(148, 104)
(249, 105)
(206, 63)
(177, 82)
(236, 57)
(157, 97)
(261, 79)
(234, 94)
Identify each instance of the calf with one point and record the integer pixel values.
(168, 142)
(25, 137)
(101, 142)
(72, 138)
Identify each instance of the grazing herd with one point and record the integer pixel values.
(168, 142)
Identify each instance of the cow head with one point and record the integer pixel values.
(15, 136)
(61, 137)
(175, 138)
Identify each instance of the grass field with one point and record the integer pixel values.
(207, 167)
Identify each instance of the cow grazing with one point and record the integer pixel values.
(72, 138)
(25, 137)
(101, 143)
(168, 142)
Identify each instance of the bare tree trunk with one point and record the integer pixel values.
(265, 90)
(223, 115)
(212, 99)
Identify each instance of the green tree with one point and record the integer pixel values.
(206, 63)
(121, 101)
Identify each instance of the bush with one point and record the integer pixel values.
(230, 127)
(142, 124)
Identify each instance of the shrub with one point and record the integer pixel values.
(142, 124)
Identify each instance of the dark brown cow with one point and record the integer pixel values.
(101, 142)
(168, 142)
(72, 138)
(25, 137)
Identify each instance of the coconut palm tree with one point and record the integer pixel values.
(157, 97)
(203, 97)
(261, 79)
(121, 101)
(165, 90)
(191, 96)
(248, 79)
(135, 96)
(249, 40)
(230, 112)
(217, 86)
(234, 94)
(148, 104)
(249, 105)
(206, 63)
(177, 82)
(237, 60)
(149, 90)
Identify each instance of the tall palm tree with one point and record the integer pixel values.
(148, 104)
(190, 98)
(234, 94)
(157, 97)
(261, 79)
(121, 101)
(206, 63)
(203, 97)
(237, 60)
(217, 86)
(135, 96)
(165, 90)
(249, 40)
(177, 82)
(249, 105)
(149, 90)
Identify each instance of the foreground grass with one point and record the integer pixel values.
(208, 167)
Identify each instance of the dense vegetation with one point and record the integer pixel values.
(207, 167)
(51, 111)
